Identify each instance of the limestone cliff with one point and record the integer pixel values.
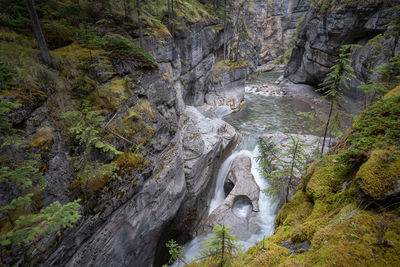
(330, 24)
(271, 27)
(142, 102)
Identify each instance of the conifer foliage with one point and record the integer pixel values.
(334, 83)
(23, 221)
(221, 247)
(281, 167)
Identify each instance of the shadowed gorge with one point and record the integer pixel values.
(199, 133)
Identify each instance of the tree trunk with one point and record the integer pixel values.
(125, 9)
(396, 40)
(140, 23)
(37, 30)
(224, 31)
(326, 128)
(169, 17)
(291, 172)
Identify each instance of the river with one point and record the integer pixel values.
(260, 115)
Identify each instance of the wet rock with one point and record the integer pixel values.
(245, 189)
(321, 35)
(271, 25)
(228, 88)
(59, 177)
(206, 142)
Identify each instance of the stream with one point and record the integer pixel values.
(260, 115)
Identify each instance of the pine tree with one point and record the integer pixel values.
(221, 247)
(282, 167)
(87, 127)
(176, 252)
(26, 223)
(334, 83)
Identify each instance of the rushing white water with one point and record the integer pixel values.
(266, 213)
(241, 208)
(261, 115)
(219, 194)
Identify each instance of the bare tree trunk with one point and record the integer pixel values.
(326, 128)
(224, 31)
(169, 17)
(140, 23)
(396, 40)
(125, 9)
(291, 172)
(37, 30)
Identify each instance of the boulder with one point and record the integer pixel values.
(245, 191)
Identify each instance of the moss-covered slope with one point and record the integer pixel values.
(347, 206)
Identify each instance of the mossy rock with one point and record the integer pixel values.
(122, 47)
(326, 179)
(394, 92)
(43, 138)
(57, 35)
(129, 161)
(221, 67)
(78, 53)
(380, 174)
(266, 253)
(114, 94)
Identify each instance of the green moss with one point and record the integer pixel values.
(122, 47)
(393, 93)
(266, 253)
(129, 161)
(221, 67)
(43, 138)
(289, 219)
(329, 215)
(135, 125)
(377, 127)
(326, 179)
(113, 95)
(379, 174)
(57, 35)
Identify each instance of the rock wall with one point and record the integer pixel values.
(324, 31)
(271, 25)
(125, 228)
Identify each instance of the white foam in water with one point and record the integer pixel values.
(266, 205)
(219, 194)
(241, 208)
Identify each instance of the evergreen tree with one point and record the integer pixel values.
(335, 81)
(87, 127)
(221, 247)
(389, 77)
(282, 167)
(22, 177)
(176, 252)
